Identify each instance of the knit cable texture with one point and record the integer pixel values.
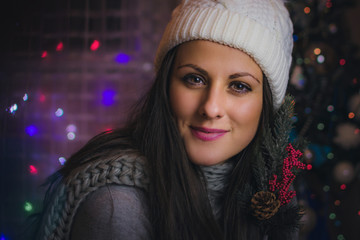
(126, 169)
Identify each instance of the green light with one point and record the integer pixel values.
(330, 155)
(28, 207)
(326, 188)
(340, 237)
(332, 216)
(320, 126)
(299, 61)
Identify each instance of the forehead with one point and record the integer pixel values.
(208, 54)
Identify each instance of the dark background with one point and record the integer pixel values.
(70, 69)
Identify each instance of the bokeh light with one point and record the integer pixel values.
(31, 130)
(12, 109)
(342, 62)
(108, 97)
(71, 128)
(28, 207)
(25, 97)
(122, 58)
(71, 136)
(320, 59)
(60, 47)
(33, 170)
(44, 54)
(307, 10)
(59, 112)
(62, 160)
(95, 45)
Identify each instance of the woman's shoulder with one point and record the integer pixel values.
(112, 212)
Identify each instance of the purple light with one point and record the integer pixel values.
(108, 97)
(122, 58)
(31, 130)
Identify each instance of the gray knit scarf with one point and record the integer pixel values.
(126, 168)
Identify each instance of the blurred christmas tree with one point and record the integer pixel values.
(325, 82)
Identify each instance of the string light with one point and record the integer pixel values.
(342, 62)
(326, 188)
(25, 97)
(320, 126)
(71, 136)
(122, 58)
(71, 128)
(317, 51)
(330, 155)
(28, 207)
(332, 216)
(340, 237)
(309, 166)
(44, 54)
(60, 47)
(337, 203)
(351, 115)
(42, 98)
(108, 97)
(307, 10)
(59, 112)
(343, 186)
(95, 45)
(33, 170)
(328, 4)
(62, 160)
(12, 109)
(320, 59)
(31, 130)
(330, 108)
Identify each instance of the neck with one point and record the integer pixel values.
(216, 179)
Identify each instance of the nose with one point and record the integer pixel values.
(212, 106)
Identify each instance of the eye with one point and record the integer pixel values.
(240, 87)
(193, 79)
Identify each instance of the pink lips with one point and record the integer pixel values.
(207, 134)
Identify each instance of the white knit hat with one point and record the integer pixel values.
(261, 28)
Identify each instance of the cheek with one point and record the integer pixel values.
(181, 101)
(247, 115)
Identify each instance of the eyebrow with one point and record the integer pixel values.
(232, 76)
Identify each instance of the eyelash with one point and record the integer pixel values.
(242, 87)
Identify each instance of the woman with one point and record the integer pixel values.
(205, 154)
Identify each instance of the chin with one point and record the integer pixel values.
(206, 160)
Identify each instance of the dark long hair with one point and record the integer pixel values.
(178, 202)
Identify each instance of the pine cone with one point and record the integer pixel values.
(264, 205)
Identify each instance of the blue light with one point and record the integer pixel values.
(59, 112)
(31, 130)
(295, 37)
(122, 58)
(108, 97)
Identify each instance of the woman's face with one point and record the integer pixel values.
(216, 96)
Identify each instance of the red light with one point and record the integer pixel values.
(42, 98)
(359, 212)
(60, 47)
(307, 10)
(44, 54)
(343, 187)
(33, 170)
(342, 62)
(328, 4)
(309, 167)
(95, 45)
